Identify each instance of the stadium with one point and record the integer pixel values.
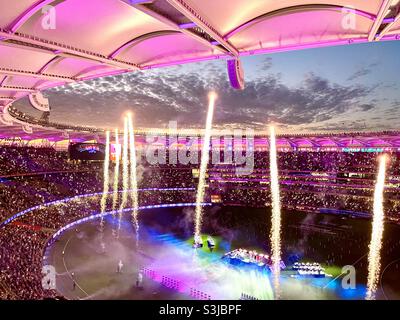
(142, 212)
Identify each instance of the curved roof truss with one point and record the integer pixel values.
(294, 9)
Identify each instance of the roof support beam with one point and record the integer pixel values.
(88, 70)
(24, 46)
(175, 26)
(313, 143)
(42, 69)
(389, 142)
(44, 76)
(359, 39)
(32, 43)
(100, 75)
(296, 9)
(192, 15)
(363, 143)
(141, 38)
(8, 88)
(337, 142)
(291, 142)
(3, 80)
(388, 28)
(7, 98)
(176, 62)
(379, 19)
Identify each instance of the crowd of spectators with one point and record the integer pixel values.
(23, 241)
(32, 160)
(21, 263)
(312, 181)
(309, 181)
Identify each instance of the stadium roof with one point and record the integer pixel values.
(322, 141)
(16, 133)
(47, 43)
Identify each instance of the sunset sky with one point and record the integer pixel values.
(339, 88)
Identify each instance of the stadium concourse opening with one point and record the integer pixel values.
(286, 187)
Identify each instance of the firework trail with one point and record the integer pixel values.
(203, 164)
(116, 173)
(275, 234)
(374, 256)
(125, 174)
(133, 176)
(106, 182)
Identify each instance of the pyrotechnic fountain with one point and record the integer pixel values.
(133, 176)
(275, 234)
(116, 172)
(103, 201)
(203, 165)
(125, 174)
(374, 257)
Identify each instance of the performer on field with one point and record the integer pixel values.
(119, 267)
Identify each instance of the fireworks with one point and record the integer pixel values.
(106, 177)
(116, 170)
(133, 174)
(116, 174)
(374, 257)
(275, 234)
(129, 175)
(125, 173)
(203, 164)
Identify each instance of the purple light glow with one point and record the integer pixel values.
(388, 20)
(187, 25)
(133, 2)
(104, 214)
(48, 204)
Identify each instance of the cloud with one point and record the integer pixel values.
(180, 94)
(367, 107)
(362, 71)
(266, 64)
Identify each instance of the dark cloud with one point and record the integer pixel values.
(265, 64)
(362, 71)
(367, 107)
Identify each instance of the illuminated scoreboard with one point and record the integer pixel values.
(87, 151)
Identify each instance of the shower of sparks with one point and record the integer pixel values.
(133, 175)
(203, 164)
(374, 256)
(106, 182)
(116, 172)
(125, 173)
(275, 234)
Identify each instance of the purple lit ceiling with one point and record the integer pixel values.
(10, 132)
(45, 43)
